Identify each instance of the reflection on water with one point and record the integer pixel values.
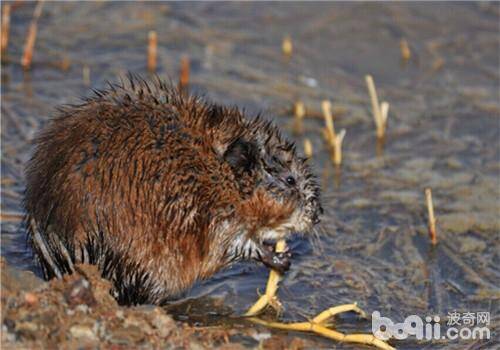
(443, 133)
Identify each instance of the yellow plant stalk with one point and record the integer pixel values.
(326, 107)
(300, 112)
(308, 148)
(337, 147)
(432, 218)
(380, 111)
(318, 324)
(269, 297)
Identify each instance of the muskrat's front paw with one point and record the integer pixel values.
(282, 261)
(278, 261)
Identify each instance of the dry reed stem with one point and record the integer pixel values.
(65, 63)
(299, 111)
(326, 107)
(31, 38)
(384, 112)
(86, 75)
(308, 148)
(432, 218)
(6, 181)
(184, 74)
(380, 122)
(405, 50)
(287, 46)
(334, 140)
(5, 27)
(438, 63)
(269, 297)
(337, 147)
(11, 217)
(152, 50)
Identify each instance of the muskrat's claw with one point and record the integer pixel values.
(277, 261)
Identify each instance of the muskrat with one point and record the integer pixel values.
(159, 190)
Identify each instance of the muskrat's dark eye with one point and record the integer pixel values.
(290, 180)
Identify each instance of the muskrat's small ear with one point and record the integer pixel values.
(241, 155)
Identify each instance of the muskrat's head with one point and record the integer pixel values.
(285, 195)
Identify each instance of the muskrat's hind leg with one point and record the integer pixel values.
(41, 246)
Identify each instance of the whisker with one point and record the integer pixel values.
(315, 241)
(322, 229)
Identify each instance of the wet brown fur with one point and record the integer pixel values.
(135, 180)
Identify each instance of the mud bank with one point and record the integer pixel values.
(78, 312)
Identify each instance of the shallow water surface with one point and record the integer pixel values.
(373, 248)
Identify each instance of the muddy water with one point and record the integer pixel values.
(443, 133)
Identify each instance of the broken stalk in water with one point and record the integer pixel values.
(152, 50)
(31, 38)
(380, 111)
(299, 112)
(432, 218)
(5, 27)
(337, 147)
(287, 46)
(405, 50)
(308, 148)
